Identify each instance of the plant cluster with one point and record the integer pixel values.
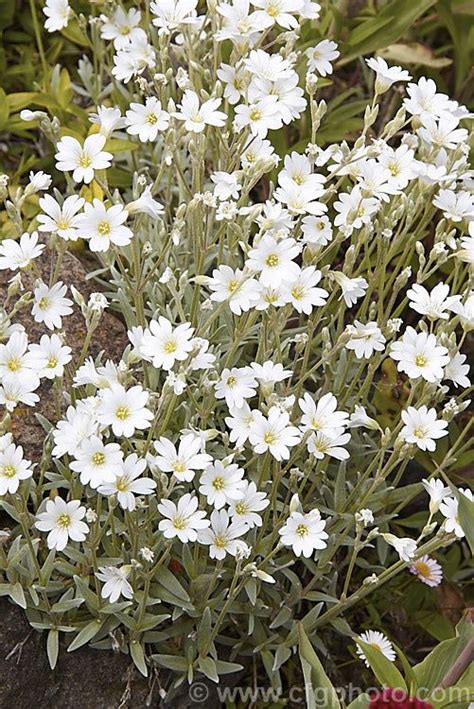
(235, 482)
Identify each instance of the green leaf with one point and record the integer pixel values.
(52, 647)
(85, 635)
(138, 657)
(171, 583)
(431, 671)
(4, 109)
(384, 670)
(17, 595)
(387, 27)
(362, 702)
(204, 632)
(207, 666)
(171, 662)
(466, 518)
(314, 675)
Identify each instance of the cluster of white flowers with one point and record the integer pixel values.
(263, 335)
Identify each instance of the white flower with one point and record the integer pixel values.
(277, 12)
(227, 185)
(222, 536)
(456, 371)
(19, 254)
(236, 287)
(145, 204)
(197, 116)
(321, 56)
(437, 491)
(128, 483)
(221, 484)
(121, 27)
(183, 462)
(183, 520)
(240, 423)
(251, 502)
(96, 462)
(163, 345)
(354, 210)
(379, 641)
(108, 119)
(115, 582)
(365, 339)
(63, 522)
(360, 418)
(422, 427)
(427, 570)
(364, 517)
(321, 444)
(146, 120)
(404, 546)
(124, 410)
(302, 293)
(13, 468)
(323, 416)
(170, 14)
(58, 13)
(51, 356)
(61, 219)
(432, 303)
(386, 75)
(449, 508)
(273, 433)
(82, 159)
(260, 116)
(78, 426)
(304, 533)
(104, 226)
(352, 288)
(134, 57)
(419, 355)
(274, 260)
(50, 305)
(16, 390)
(16, 360)
(317, 231)
(236, 385)
(424, 101)
(39, 181)
(269, 372)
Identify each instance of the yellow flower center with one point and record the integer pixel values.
(13, 365)
(301, 530)
(298, 179)
(423, 569)
(272, 11)
(151, 119)
(218, 483)
(170, 347)
(232, 286)
(241, 508)
(9, 471)
(64, 521)
(103, 228)
(179, 523)
(84, 160)
(419, 432)
(272, 260)
(124, 29)
(122, 413)
(52, 363)
(121, 485)
(420, 360)
(98, 458)
(62, 224)
(297, 292)
(43, 303)
(255, 114)
(231, 381)
(179, 468)
(269, 438)
(220, 542)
